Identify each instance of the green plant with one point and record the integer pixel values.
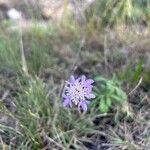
(135, 71)
(41, 119)
(9, 51)
(116, 12)
(108, 93)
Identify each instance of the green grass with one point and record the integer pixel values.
(40, 120)
(113, 13)
(9, 51)
(40, 114)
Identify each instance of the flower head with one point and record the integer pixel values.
(77, 92)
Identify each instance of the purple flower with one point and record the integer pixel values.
(77, 92)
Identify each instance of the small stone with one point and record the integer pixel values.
(13, 14)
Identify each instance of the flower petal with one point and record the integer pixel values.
(78, 80)
(66, 102)
(87, 102)
(70, 103)
(89, 81)
(83, 78)
(89, 88)
(72, 79)
(77, 91)
(64, 95)
(89, 96)
(82, 105)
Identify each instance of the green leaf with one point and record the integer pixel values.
(116, 98)
(99, 78)
(110, 88)
(108, 101)
(108, 92)
(96, 89)
(138, 71)
(103, 106)
(119, 91)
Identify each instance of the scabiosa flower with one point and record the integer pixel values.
(77, 92)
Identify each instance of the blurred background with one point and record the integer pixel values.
(43, 42)
(96, 26)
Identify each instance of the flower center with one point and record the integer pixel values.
(76, 92)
